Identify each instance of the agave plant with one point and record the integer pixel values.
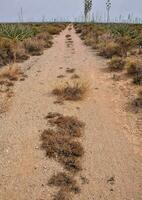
(121, 30)
(16, 31)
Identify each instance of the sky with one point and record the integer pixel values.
(36, 10)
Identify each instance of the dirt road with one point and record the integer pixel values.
(112, 163)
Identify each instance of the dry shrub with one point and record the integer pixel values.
(71, 91)
(64, 181)
(59, 142)
(116, 63)
(6, 51)
(46, 37)
(138, 79)
(34, 46)
(67, 125)
(61, 76)
(11, 72)
(110, 49)
(75, 76)
(63, 194)
(133, 66)
(68, 36)
(61, 148)
(125, 44)
(20, 53)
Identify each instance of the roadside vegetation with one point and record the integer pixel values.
(19, 41)
(120, 44)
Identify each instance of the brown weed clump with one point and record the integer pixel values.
(46, 37)
(110, 49)
(116, 64)
(10, 72)
(71, 91)
(69, 126)
(75, 76)
(133, 67)
(68, 70)
(68, 36)
(59, 142)
(34, 46)
(64, 181)
(64, 150)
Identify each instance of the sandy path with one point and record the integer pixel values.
(108, 141)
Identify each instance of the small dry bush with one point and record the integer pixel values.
(64, 181)
(6, 51)
(11, 72)
(68, 36)
(66, 125)
(75, 76)
(54, 29)
(110, 49)
(133, 66)
(116, 63)
(126, 44)
(34, 46)
(46, 37)
(20, 53)
(71, 91)
(61, 148)
(90, 41)
(63, 194)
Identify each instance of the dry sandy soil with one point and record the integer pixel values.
(112, 161)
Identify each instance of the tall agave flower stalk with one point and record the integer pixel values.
(108, 7)
(87, 9)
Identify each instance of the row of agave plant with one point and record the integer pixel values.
(16, 31)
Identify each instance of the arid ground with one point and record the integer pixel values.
(111, 164)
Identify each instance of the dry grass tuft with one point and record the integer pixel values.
(75, 76)
(61, 76)
(34, 46)
(116, 63)
(65, 181)
(71, 91)
(110, 49)
(68, 70)
(133, 66)
(68, 125)
(10, 72)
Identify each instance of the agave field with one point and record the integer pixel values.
(18, 41)
(121, 44)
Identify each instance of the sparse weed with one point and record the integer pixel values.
(71, 91)
(116, 63)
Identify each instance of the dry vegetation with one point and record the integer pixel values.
(73, 91)
(8, 76)
(17, 41)
(120, 43)
(60, 143)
